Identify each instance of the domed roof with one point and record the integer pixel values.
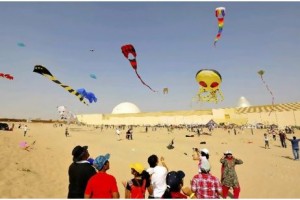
(125, 107)
(243, 102)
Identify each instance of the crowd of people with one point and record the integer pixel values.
(88, 178)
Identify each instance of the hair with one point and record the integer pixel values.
(204, 154)
(294, 137)
(152, 160)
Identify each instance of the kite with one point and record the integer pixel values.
(171, 144)
(165, 90)
(93, 76)
(21, 44)
(88, 95)
(65, 114)
(130, 53)
(210, 81)
(7, 76)
(220, 14)
(45, 72)
(261, 73)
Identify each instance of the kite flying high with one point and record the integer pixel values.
(220, 14)
(45, 72)
(130, 53)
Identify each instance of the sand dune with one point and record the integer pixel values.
(42, 172)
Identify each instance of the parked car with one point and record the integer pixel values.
(4, 126)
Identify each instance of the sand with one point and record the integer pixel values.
(42, 172)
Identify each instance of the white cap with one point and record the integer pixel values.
(205, 166)
(228, 152)
(204, 151)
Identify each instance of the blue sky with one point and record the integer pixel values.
(173, 40)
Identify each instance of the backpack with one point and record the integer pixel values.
(138, 191)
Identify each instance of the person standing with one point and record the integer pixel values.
(136, 187)
(295, 147)
(229, 177)
(25, 130)
(102, 185)
(79, 172)
(118, 132)
(66, 132)
(282, 138)
(266, 138)
(175, 183)
(205, 185)
(158, 175)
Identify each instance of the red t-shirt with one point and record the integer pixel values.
(178, 195)
(101, 186)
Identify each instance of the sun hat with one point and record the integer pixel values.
(78, 152)
(174, 179)
(100, 161)
(204, 151)
(137, 167)
(228, 152)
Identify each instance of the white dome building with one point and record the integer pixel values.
(125, 107)
(243, 102)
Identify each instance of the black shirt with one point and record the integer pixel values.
(79, 174)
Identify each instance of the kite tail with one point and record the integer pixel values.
(143, 81)
(220, 25)
(270, 93)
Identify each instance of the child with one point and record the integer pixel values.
(266, 141)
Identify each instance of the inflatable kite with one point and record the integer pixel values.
(65, 114)
(45, 72)
(130, 53)
(220, 14)
(88, 95)
(7, 76)
(261, 73)
(165, 90)
(209, 81)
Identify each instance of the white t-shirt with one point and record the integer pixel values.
(118, 131)
(158, 180)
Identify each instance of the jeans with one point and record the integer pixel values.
(296, 154)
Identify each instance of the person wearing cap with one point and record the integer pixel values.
(229, 177)
(102, 185)
(79, 172)
(136, 187)
(203, 154)
(205, 185)
(174, 182)
(158, 175)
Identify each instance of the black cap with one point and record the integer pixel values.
(174, 179)
(78, 152)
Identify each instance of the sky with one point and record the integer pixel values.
(173, 41)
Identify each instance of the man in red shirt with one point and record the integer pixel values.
(205, 185)
(102, 185)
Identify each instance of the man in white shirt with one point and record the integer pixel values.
(158, 176)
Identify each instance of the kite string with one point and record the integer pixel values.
(270, 93)
(143, 81)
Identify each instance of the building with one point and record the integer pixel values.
(287, 114)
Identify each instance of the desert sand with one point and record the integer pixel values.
(42, 172)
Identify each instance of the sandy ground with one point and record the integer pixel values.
(42, 172)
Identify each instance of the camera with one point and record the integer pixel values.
(195, 149)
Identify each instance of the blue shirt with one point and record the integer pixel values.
(295, 143)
